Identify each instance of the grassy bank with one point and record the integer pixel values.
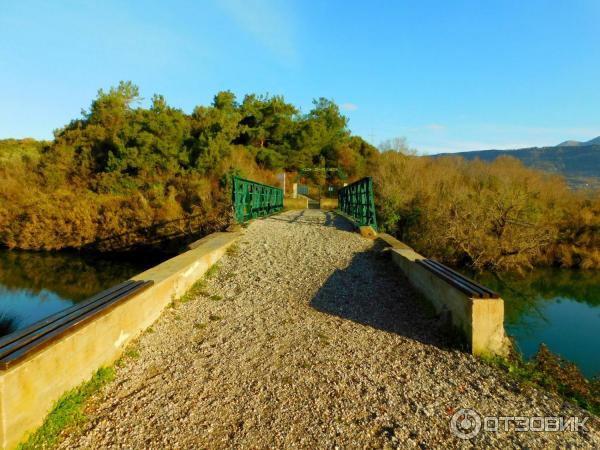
(555, 374)
(68, 412)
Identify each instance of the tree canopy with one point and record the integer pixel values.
(124, 174)
(127, 166)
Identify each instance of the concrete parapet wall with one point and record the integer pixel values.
(365, 231)
(29, 389)
(480, 319)
(391, 241)
(328, 203)
(300, 202)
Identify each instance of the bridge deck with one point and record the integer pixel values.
(307, 337)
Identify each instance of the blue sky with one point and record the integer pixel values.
(447, 75)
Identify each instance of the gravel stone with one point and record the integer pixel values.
(308, 337)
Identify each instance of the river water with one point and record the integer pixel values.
(34, 285)
(557, 307)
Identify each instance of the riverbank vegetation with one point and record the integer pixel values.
(554, 374)
(126, 175)
(500, 216)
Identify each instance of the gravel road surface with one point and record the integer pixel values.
(308, 337)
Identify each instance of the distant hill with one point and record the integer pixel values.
(578, 161)
(595, 141)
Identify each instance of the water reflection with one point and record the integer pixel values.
(34, 285)
(559, 307)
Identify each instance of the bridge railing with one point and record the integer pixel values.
(356, 200)
(251, 199)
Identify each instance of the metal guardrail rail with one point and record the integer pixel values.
(356, 200)
(251, 199)
(16, 346)
(458, 280)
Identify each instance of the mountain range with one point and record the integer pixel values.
(578, 161)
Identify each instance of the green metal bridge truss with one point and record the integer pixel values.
(251, 199)
(356, 200)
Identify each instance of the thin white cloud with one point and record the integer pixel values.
(267, 22)
(349, 106)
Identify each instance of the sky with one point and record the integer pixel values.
(447, 75)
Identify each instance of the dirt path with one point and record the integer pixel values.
(308, 337)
